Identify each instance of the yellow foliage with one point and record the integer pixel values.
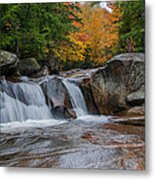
(98, 32)
(72, 51)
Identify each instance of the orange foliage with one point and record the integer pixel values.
(101, 30)
(98, 32)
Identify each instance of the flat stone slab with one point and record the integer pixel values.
(138, 121)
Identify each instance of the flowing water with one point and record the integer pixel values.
(22, 101)
(76, 97)
(73, 144)
(30, 137)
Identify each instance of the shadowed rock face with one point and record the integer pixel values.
(86, 88)
(57, 97)
(55, 91)
(8, 63)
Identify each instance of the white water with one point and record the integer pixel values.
(30, 123)
(77, 98)
(28, 102)
(23, 105)
(94, 118)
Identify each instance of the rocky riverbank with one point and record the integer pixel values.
(79, 119)
(116, 88)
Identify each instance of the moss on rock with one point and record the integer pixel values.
(29, 66)
(8, 63)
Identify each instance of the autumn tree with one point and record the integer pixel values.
(96, 36)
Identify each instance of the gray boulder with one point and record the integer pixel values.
(121, 76)
(8, 63)
(136, 98)
(29, 67)
(115, 87)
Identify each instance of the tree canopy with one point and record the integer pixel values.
(78, 34)
(31, 29)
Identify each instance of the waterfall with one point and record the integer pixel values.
(76, 98)
(22, 101)
(26, 100)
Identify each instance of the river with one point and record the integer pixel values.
(73, 144)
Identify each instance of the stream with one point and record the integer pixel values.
(82, 143)
(31, 137)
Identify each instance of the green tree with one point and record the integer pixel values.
(132, 26)
(31, 29)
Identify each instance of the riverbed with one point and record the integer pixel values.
(92, 142)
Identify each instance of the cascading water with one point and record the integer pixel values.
(22, 101)
(76, 97)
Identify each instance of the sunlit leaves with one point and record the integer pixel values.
(97, 31)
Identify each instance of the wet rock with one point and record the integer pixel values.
(63, 112)
(108, 89)
(85, 86)
(136, 111)
(74, 145)
(56, 94)
(139, 121)
(8, 63)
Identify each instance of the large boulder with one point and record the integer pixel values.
(8, 63)
(113, 85)
(29, 67)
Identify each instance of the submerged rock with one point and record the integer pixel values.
(63, 112)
